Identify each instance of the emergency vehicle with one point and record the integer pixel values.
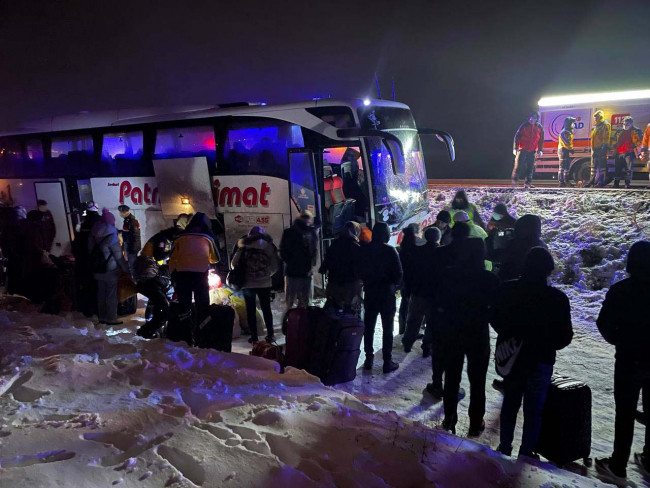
(242, 164)
(615, 105)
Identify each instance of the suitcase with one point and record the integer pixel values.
(566, 422)
(128, 306)
(179, 324)
(215, 331)
(334, 346)
(268, 351)
(296, 327)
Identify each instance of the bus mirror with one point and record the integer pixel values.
(396, 156)
(443, 137)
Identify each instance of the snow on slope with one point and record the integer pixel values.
(84, 407)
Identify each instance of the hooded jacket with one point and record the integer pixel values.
(623, 319)
(381, 270)
(105, 237)
(645, 143)
(529, 137)
(260, 260)
(527, 234)
(565, 141)
(159, 246)
(298, 249)
(467, 207)
(194, 249)
(131, 234)
(342, 259)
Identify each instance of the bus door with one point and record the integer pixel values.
(53, 193)
(305, 194)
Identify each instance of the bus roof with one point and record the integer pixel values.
(592, 98)
(90, 120)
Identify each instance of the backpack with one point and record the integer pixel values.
(98, 262)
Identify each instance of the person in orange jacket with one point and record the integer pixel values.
(600, 138)
(645, 142)
(624, 143)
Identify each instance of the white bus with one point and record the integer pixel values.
(241, 164)
(615, 105)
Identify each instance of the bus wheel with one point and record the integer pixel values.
(580, 172)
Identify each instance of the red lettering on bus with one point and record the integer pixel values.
(125, 191)
(234, 196)
(137, 195)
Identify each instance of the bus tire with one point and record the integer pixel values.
(580, 172)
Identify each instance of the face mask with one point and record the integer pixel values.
(497, 217)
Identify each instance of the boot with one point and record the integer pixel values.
(628, 185)
(367, 364)
(476, 430)
(390, 366)
(616, 183)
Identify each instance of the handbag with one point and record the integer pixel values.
(237, 276)
(506, 354)
(274, 352)
(126, 288)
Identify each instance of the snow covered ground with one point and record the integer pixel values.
(84, 406)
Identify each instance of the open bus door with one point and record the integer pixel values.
(54, 194)
(305, 190)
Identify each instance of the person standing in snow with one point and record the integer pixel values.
(600, 138)
(500, 230)
(260, 258)
(474, 229)
(192, 254)
(110, 266)
(130, 235)
(409, 260)
(463, 302)
(341, 263)
(299, 250)
(625, 142)
(624, 322)
(460, 203)
(565, 149)
(527, 234)
(49, 229)
(537, 316)
(443, 219)
(85, 282)
(381, 273)
(528, 142)
(645, 144)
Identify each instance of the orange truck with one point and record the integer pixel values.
(615, 105)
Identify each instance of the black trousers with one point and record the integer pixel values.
(155, 290)
(264, 294)
(403, 309)
(187, 283)
(629, 379)
(477, 349)
(374, 306)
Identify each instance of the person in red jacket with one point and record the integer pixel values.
(529, 140)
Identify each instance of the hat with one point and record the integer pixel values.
(628, 120)
(534, 115)
(461, 216)
(256, 230)
(108, 217)
(444, 216)
(123, 208)
(92, 207)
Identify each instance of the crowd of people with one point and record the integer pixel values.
(456, 277)
(626, 145)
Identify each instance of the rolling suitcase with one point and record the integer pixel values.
(296, 327)
(179, 324)
(215, 331)
(566, 422)
(334, 347)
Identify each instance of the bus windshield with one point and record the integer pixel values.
(402, 194)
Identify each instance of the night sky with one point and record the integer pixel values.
(473, 68)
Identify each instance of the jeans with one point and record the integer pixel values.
(187, 283)
(564, 157)
(623, 167)
(417, 309)
(375, 306)
(298, 289)
(532, 387)
(264, 295)
(524, 166)
(598, 166)
(629, 379)
(477, 350)
(107, 300)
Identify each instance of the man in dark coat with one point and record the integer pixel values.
(85, 282)
(381, 273)
(624, 322)
(407, 255)
(538, 317)
(298, 250)
(527, 234)
(49, 229)
(130, 235)
(463, 304)
(342, 265)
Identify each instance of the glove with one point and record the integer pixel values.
(540, 154)
(514, 152)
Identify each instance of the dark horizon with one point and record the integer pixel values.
(475, 72)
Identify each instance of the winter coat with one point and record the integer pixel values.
(506, 222)
(381, 270)
(600, 135)
(145, 268)
(33, 244)
(527, 234)
(342, 260)
(159, 246)
(80, 243)
(565, 141)
(464, 303)
(529, 137)
(105, 236)
(624, 141)
(131, 235)
(538, 314)
(193, 252)
(624, 321)
(472, 212)
(645, 143)
(408, 256)
(260, 260)
(298, 249)
(49, 229)
(426, 276)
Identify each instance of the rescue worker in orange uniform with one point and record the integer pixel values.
(528, 142)
(624, 142)
(600, 136)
